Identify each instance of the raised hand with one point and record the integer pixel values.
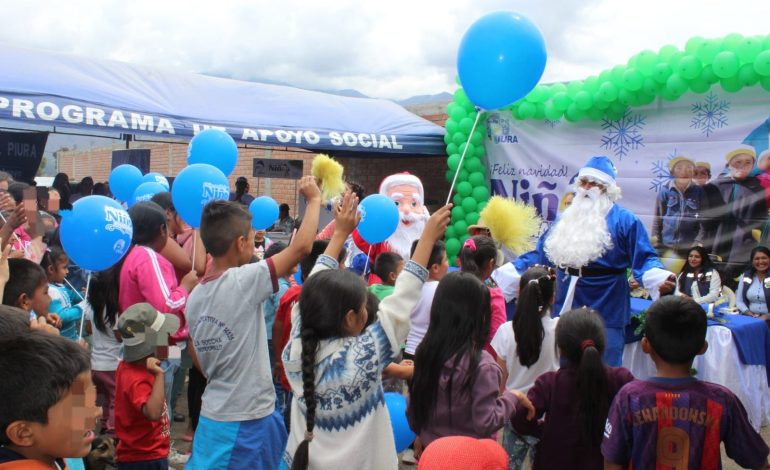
(346, 215)
(309, 189)
(437, 224)
(153, 365)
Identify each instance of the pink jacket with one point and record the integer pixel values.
(498, 316)
(148, 277)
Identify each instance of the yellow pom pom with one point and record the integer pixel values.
(512, 223)
(329, 173)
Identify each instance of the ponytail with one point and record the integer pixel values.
(309, 345)
(535, 295)
(476, 253)
(580, 338)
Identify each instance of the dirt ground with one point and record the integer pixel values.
(180, 429)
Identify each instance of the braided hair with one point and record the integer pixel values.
(536, 290)
(326, 298)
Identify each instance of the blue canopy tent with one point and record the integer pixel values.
(97, 96)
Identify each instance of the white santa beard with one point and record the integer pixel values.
(581, 235)
(401, 240)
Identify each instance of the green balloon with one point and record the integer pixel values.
(458, 113)
(600, 102)
(573, 88)
(693, 44)
(462, 99)
(662, 72)
(463, 175)
(480, 193)
(477, 138)
(608, 92)
(447, 139)
(646, 61)
(699, 85)
(450, 232)
(676, 85)
(472, 218)
(573, 114)
(464, 188)
(453, 162)
(666, 52)
(451, 149)
(732, 41)
(616, 75)
(614, 114)
(453, 246)
(591, 84)
(632, 79)
(471, 148)
(537, 95)
(473, 164)
(689, 67)
(725, 64)
(451, 126)
(469, 204)
(707, 50)
(480, 152)
(449, 175)
(747, 76)
(558, 88)
(765, 82)
(650, 86)
(645, 98)
(551, 113)
(466, 125)
(482, 206)
(462, 227)
(459, 137)
(457, 213)
(457, 200)
(595, 113)
(583, 100)
(730, 84)
(626, 97)
(762, 63)
(749, 48)
(560, 101)
(526, 110)
(708, 75)
(673, 61)
(667, 95)
(476, 179)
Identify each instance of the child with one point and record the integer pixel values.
(181, 251)
(141, 416)
(675, 420)
(387, 267)
(270, 308)
(479, 256)
(575, 398)
(456, 385)
(48, 409)
(65, 302)
(239, 427)
(334, 365)
(27, 288)
(526, 347)
(420, 316)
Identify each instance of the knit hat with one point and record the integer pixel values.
(463, 453)
(143, 329)
(601, 169)
(399, 179)
(741, 151)
(672, 163)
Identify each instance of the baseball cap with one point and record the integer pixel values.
(143, 329)
(462, 452)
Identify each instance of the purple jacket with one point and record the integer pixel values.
(478, 414)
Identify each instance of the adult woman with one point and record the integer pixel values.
(753, 295)
(61, 183)
(698, 278)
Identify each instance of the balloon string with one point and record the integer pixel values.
(73, 289)
(88, 286)
(368, 254)
(462, 158)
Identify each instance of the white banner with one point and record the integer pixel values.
(535, 161)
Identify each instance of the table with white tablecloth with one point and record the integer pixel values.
(742, 368)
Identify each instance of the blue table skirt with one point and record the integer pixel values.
(751, 336)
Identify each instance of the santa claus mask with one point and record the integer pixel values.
(408, 197)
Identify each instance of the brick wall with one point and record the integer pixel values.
(170, 158)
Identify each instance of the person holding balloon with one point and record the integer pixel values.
(180, 252)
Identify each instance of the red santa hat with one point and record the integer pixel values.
(399, 179)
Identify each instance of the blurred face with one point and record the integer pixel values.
(246, 247)
(568, 199)
(740, 166)
(58, 271)
(683, 170)
(695, 259)
(258, 235)
(761, 262)
(438, 271)
(700, 175)
(40, 300)
(481, 231)
(4, 185)
(71, 422)
(587, 184)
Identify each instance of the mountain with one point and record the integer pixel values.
(443, 97)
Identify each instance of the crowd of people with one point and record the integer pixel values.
(289, 348)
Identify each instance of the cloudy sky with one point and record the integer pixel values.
(389, 49)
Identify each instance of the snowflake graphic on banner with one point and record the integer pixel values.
(624, 134)
(710, 114)
(661, 173)
(551, 124)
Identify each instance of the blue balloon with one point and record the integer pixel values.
(264, 212)
(501, 58)
(379, 218)
(196, 186)
(124, 180)
(213, 147)
(156, 178)
(402, 433)
(96, 233)
(146, 191)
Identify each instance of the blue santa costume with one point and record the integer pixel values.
(602, 283)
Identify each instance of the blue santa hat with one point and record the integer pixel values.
(601, 169)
